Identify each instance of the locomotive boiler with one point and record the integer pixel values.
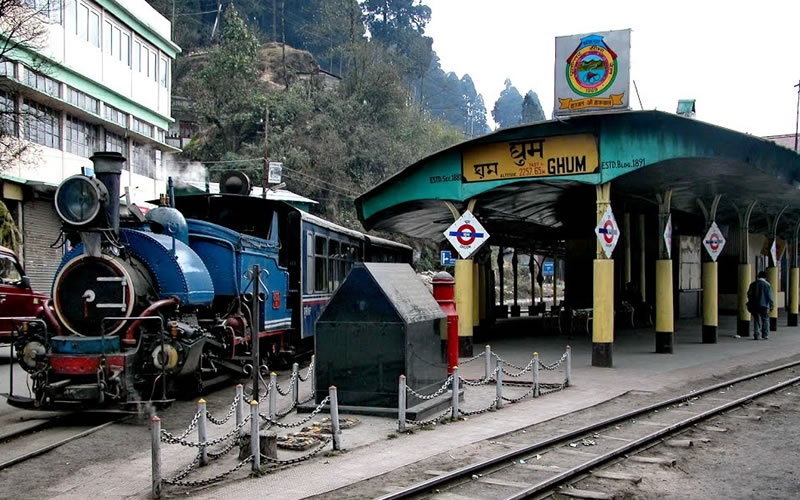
(145, 307)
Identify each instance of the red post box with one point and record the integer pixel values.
(444, 292)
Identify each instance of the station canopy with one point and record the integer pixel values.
(533, 185)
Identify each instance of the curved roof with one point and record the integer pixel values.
(642, 152)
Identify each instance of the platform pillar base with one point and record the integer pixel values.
(773, 324)
(709, 334)
(465, 347)
(665, 342)
(515, 310)
(791, 320)
(743, 327)
(602, 354)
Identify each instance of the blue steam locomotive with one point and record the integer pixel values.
(150, 305)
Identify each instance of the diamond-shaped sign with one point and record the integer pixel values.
(668, 236)
(773, 251)
(466, 235)
(607, 232)
(714, 241)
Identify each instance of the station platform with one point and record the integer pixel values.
(374, 447)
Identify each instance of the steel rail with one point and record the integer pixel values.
(513, 454)
(52, 446)
(564, 476)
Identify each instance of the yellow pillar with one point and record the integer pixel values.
(775, 284)
(794, 305)
(603, 296)
(710, 302)
(664, 313)
(743, 329)
(476, 304)
(464, 305)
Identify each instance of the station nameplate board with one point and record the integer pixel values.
(466, 235)
(535, 157)
(607, 232)
(714, 241)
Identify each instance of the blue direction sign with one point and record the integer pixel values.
(547, 268)
(446, 259)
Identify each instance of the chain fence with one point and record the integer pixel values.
(535, 388)
(232, 439)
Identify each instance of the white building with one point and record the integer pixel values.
(99, 81)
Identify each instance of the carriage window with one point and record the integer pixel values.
(309, 262)
(347, 260)
(334, 277)
(320, 267)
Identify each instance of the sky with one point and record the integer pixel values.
(739, 59)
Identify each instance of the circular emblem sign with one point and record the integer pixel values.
(465, 234)
(592, 67)
(610, 232)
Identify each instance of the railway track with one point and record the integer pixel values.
(538, 469)
(32, 442)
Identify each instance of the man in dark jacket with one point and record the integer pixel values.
(760, 303)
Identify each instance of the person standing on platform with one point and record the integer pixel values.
(759, 304)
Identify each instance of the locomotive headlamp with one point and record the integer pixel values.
(79, 199)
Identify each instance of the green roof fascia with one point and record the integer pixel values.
(97, 90)
(141, 27)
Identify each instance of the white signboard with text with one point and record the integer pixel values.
(466, 235)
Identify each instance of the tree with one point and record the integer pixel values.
(228, 92)
(23, 28)
(507, 110)
(531, 108)
(400, 26)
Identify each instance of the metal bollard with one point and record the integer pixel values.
(499, 378)
(335, 432)
(487, 353)
(202, 431)
(401, 404)
(313, 375)
(569, 366)
(273, 395)
(155, 449)
(454, 404)
(536, 374)
(239, 406)
(296, 386)
(254, 441)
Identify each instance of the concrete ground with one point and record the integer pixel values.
(373, 447)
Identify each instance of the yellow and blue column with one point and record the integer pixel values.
(464, 305)
(665, 323)
(603, 293)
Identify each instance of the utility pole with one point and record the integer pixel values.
(265, 169)
(274, 20)
(283, 42)
(797, 119)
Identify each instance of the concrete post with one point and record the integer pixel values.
(603, 297)
(296, 385)
(536, 374)
(499, 386)
(464, 306)
(568, 376)
(155, 451)
(313, 375)
(335, 432)
(665, 323)
(487, 353)
(794, 281)
(454, 399)
(239, 406)
(202, 431)
(401, 404)
(514, 269)
(254, 437)
(273, 395)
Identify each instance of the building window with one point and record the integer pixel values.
(42, 83)
(164, 72)
(137, 56)
(107, 41)
(83, 22)
(141, 127)
(116, 143)
(153, 67)
(8, 122)
(41, 124)
(47, 8)
(83, 101)
(71, 18)
(143, 160)
(94, 28)
(125, 55)
(114, 115)
(7, 68)
(320, 264)
(80, 137)
(161, 135)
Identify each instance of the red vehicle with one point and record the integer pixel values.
(17, 298)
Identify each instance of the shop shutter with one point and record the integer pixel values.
(41, 227)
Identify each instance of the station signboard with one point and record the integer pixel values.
(547, 268)
(466, 235)
(607, 232)
(714, 241)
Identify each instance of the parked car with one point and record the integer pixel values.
(17, 298)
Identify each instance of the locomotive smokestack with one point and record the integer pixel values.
(108, 168)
